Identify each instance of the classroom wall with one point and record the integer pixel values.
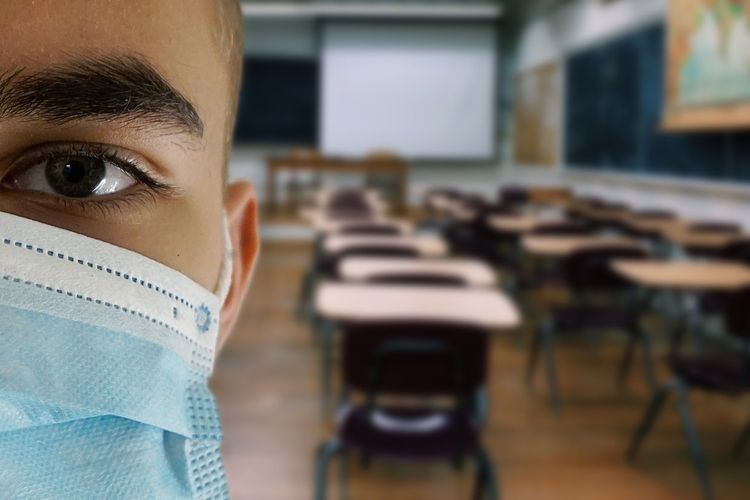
(280, 37)
(585, 23)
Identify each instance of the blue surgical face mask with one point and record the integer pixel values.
(104, 361)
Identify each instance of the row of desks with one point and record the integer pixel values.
(481, 305)
(680, 232)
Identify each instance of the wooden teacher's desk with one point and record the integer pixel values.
(367, 166)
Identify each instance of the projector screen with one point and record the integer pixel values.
(423, 90)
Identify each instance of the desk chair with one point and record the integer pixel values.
(648, 215)
(535, 277)
(514, 196)
(738, 251)
(432, 279)
(416, 361)
(371, 229)
(320, 264)
(330, 267)
(477, 238)
(587, 273)
(710, 228)
(728, 375)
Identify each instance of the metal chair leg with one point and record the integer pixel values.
(549, 362)
(741, 441)
(696, 452)
(327, 332)
(304, 295)
(648, 362)
(343, 475)
(657, 402)
(326, 453)
(626, 362)
(534, 348)
(486, 484)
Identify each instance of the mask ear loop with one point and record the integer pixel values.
(225, 279)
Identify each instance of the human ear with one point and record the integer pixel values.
(241, 207)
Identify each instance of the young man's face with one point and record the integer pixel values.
(113, 123)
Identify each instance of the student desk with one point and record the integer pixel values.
(702, 241)
(425, 246)
(474, 272)
(353, 303)
(690, 276)
(651, 225)
(522, 223)
(453, 207)
(685, 279)
(603, 214)
(561, 247)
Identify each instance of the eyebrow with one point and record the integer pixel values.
(124, 89)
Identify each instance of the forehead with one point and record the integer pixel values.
(178, 37)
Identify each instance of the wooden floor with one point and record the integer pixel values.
(266, 383)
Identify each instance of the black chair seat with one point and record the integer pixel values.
(722, 373)
(406, 434)
(592, 318)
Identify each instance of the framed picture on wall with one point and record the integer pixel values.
(708, 65)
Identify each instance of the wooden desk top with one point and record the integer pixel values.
(684, 236)
(446, 205)
(467, 306)
(476, 273)
(522, 223)
(658, 225)
(564, 246)
(686, 275)
(427, 246)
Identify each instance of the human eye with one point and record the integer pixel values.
(82, 172)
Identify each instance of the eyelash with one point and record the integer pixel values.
(105, 205)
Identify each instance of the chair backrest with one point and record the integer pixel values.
(655, 214)
(428, 279)
(373, 229)
(344, 214)
(514, 195)
(716, 227)
(737, 314)
(592, 269)
(738, 251)
(414, 358)
(474, 201)
(562, 229)
(346, 200)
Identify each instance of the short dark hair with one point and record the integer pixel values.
(231, 42)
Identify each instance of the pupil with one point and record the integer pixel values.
(74, 171)
(76, 177)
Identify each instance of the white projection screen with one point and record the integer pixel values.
(423, 90)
